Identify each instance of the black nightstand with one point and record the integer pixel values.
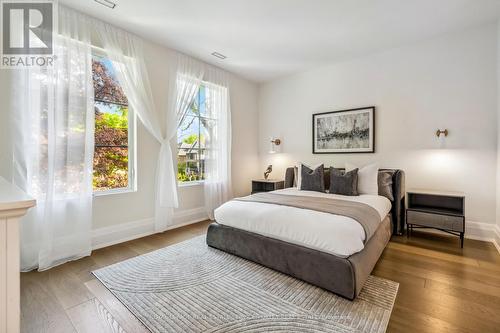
(269, 185)
(444, 211)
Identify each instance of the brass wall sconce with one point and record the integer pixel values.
(440, 132)
(274, 143)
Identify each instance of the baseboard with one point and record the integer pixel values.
(479, 231)
(189, 216)
(496, 239)
(124, 232)
(486, 232)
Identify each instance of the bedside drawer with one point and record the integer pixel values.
(452, 223)
(267, 185)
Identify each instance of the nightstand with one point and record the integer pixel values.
(263, 185)
(443, 211)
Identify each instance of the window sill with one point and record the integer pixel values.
(114, 191)
(189, 184)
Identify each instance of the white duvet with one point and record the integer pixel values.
(338, 235)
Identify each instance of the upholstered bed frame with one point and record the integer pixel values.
(343, 276)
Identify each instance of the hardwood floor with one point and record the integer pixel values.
(442, 288)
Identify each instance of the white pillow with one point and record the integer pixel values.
(367, 178)
(299, 172)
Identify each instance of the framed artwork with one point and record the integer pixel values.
(344, 131)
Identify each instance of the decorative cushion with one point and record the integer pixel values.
(344, 183)
(367, 178)
(327, 178)
(297, 173)
(385, 184)
(312, 179)
(296, 176)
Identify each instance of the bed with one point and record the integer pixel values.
(331, 251)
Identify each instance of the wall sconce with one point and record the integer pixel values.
(440, 132)
(441, 135)
(274, 143)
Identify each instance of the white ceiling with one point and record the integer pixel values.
(265, 39)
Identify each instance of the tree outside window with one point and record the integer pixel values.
(111, 150)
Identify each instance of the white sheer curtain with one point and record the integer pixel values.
(126, 52)
(185, 80)
(217, 186)
(53, 150)
(185, 83)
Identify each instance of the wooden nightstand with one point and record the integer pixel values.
(263, 185)
(444, 211)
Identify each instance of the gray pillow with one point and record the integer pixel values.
(385, 184)
(326, 173)
(327, 178)
(295, 176)
(312, 180)
(344, 183)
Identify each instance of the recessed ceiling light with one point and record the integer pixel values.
(106, 3)
(218, 55)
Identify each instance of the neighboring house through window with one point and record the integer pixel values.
(114, 153)
(191, 140)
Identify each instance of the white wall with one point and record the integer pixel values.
(448, 82)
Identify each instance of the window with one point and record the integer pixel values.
(114, 131)
(191, 143)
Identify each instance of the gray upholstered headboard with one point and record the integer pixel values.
(398, 189)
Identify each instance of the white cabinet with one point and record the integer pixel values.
(14, 203)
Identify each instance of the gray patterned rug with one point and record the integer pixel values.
(190, 287)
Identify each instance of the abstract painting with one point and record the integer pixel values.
(344, 131)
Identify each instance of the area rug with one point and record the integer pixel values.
(190, 287)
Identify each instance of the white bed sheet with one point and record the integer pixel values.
(334, 234)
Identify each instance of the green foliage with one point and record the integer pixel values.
(113, 120)
(184, 176)
(111, 163)
(181, 168)
(190, 139)
(110, 168)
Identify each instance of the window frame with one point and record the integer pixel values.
(132, 144)
(199, 181)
